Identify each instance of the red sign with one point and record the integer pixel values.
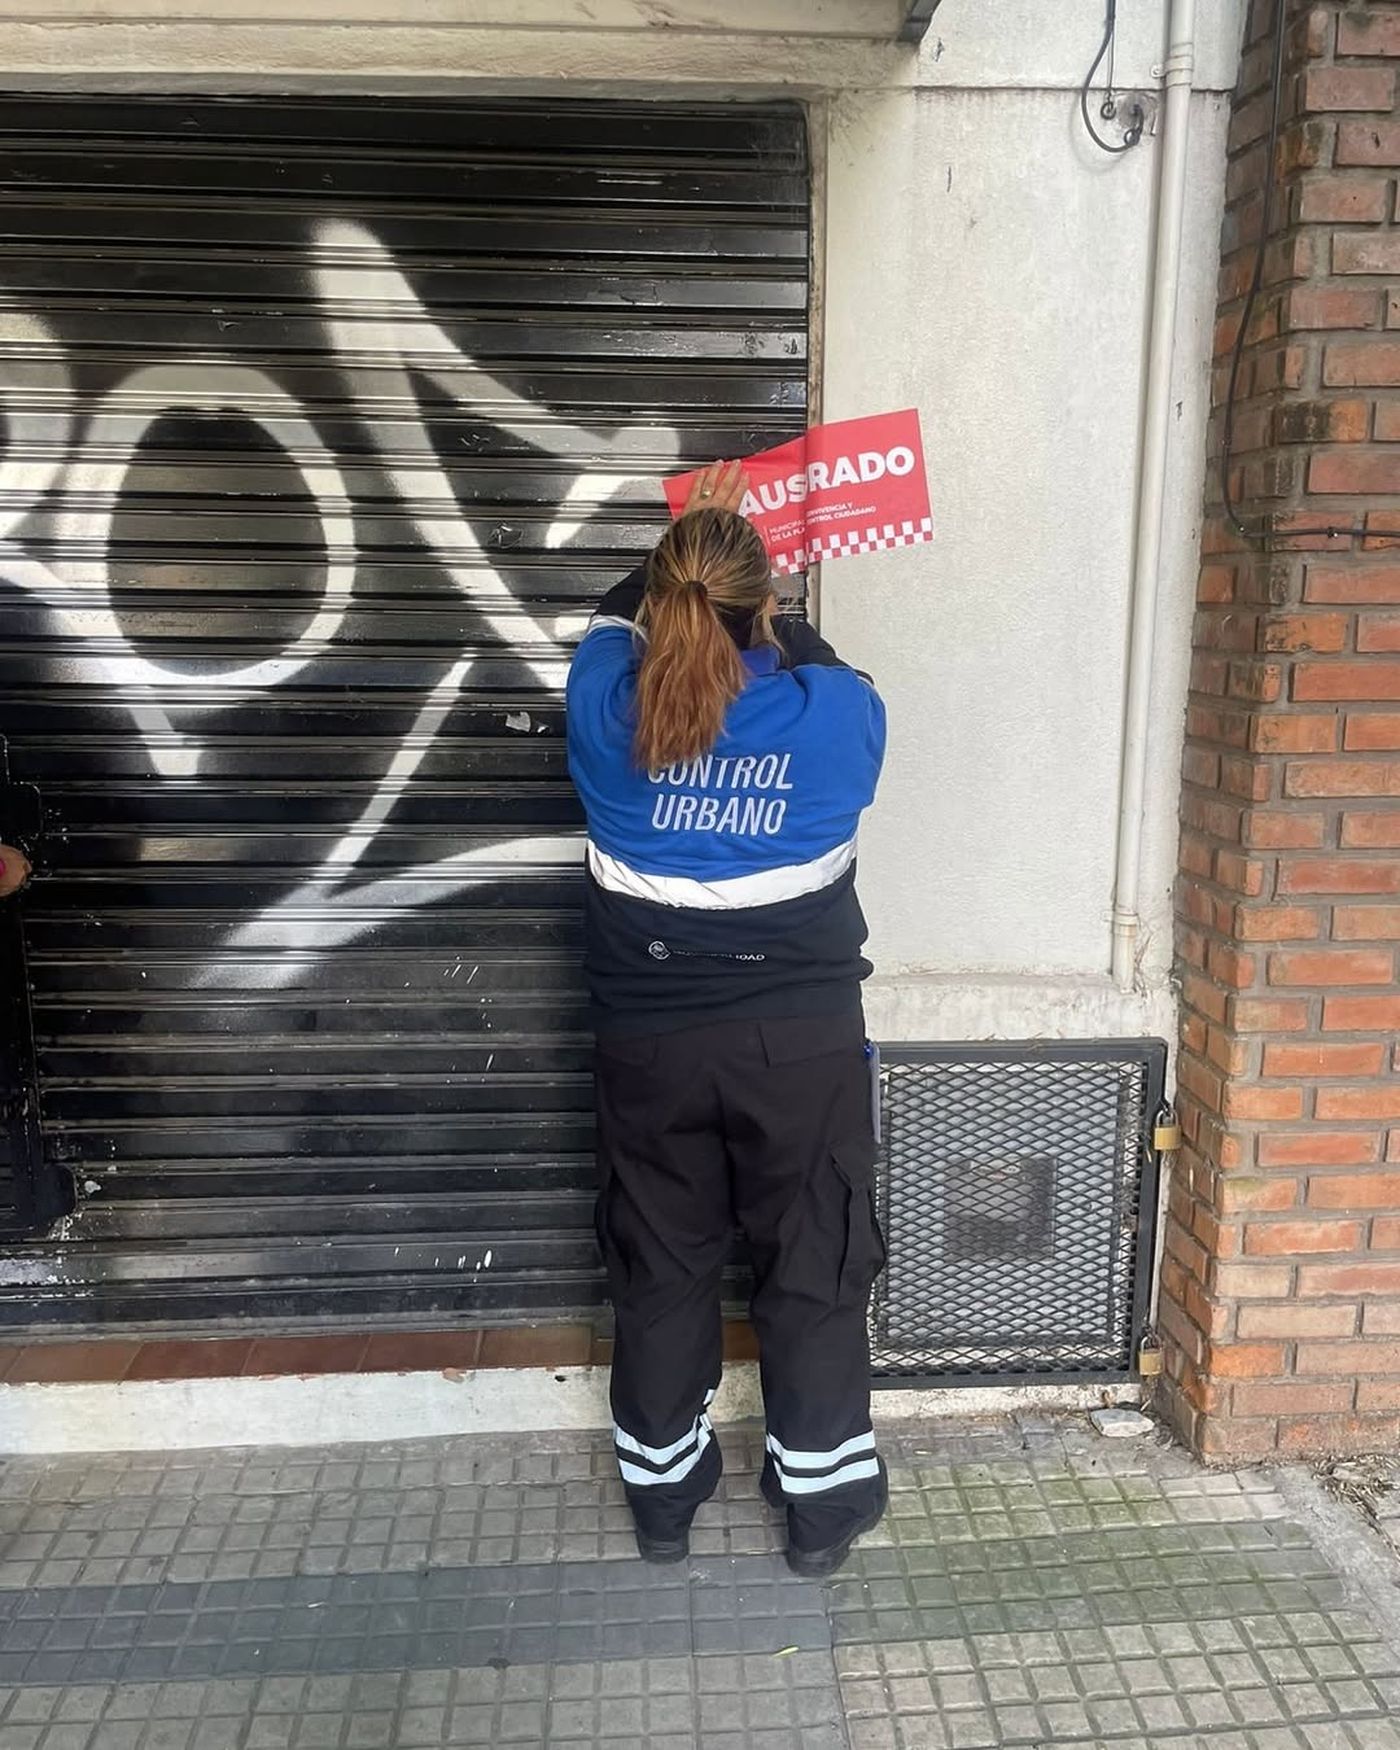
(857, 486)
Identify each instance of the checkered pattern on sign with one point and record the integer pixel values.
(872, 540)
(789, 563)
(869, 540)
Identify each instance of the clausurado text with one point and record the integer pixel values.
(869, 465)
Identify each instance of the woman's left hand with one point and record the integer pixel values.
(721, 486)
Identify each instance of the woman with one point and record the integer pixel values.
(723, 761)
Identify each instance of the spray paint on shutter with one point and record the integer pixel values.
(325, 422)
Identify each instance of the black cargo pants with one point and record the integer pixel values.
(767, 1126)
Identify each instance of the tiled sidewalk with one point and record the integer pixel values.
(1034, 1585)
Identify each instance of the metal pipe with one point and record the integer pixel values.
(1147, 538)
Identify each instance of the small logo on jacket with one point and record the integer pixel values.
(659, 951)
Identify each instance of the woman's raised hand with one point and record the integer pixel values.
(721, 486)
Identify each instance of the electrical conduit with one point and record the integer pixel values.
(1147, 538)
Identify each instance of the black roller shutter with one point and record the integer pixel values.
(321, 418)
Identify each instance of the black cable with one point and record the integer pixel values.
(1256, 280)
(1108, 109)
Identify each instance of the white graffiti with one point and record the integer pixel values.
(80, 475)
(45, 426)
(111, 440)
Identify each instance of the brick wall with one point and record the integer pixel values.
(1281, 1282)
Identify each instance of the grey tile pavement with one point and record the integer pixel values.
(788, 1704)
(1032, 1586)
(206, 1518)
(475, 1616)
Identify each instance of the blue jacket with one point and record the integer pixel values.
(724, 887)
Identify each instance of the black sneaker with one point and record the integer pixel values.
(821, 1564)
(662, 1550)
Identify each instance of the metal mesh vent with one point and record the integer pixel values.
(1017, 1189)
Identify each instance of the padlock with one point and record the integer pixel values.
(1166, 1133)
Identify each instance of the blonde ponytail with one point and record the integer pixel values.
(708, 574)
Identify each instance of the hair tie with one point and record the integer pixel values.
(698, 583)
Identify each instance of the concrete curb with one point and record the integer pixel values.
(347, 1409)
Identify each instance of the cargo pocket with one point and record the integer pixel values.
(865, 1254)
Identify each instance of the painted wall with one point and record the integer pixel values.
(1013, 312)
(981, 260)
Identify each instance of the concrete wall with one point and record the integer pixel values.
(989, 264)
(981, 260)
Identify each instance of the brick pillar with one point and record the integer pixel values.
(1281, 1281)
